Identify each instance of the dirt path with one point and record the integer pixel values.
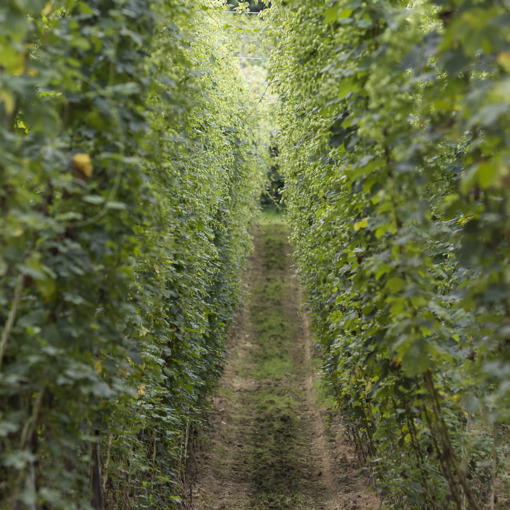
(271, 445)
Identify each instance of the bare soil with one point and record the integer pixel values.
(273, 443)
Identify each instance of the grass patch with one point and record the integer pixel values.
(272, 290)
(273, 330)
(272, 214)
(322, 398)
(276, 465)
(278, 399)
(276, 470)
(274, 368)
(275, 246)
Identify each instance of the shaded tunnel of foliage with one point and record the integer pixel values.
(127, 182)
(394, 138)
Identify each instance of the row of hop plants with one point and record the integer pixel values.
(127, 183)
(394, 137)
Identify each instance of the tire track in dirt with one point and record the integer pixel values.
(270, 445)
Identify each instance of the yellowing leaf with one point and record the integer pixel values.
(141, 389)
(504, 60)
(48, 9)
(464, 219)
(361, 224)
(82, 165)
(8, 101)
(98, 367)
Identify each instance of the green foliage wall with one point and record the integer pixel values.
(394, 137)
(127, 181)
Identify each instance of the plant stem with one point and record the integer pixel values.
(11, 317)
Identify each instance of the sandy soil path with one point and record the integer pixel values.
(273, 444)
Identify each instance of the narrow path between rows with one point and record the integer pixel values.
(272, 445)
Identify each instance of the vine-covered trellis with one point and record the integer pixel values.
(127, 183)
(394, 136)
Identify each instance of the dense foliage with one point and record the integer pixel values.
(272, 195)
(251, 5)
(127, 182)
(394, 138)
